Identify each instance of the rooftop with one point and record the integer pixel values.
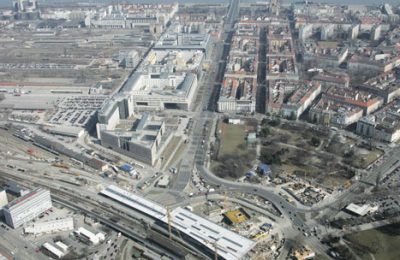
(160, 84)
(238, 88)
(230, 245)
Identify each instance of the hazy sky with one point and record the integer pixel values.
(374, 2)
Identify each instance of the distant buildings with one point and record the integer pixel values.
(128, 59)
(328, 79)
(372, 61)
(239, 86)
(173, 40)
(305, 32)
(150, 17)
(325, 54)
(25, 9)
(27, 207)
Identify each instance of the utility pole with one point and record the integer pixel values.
(225, 201)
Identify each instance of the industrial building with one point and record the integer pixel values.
(57, 225)
(77, 111)
(53, 250)
(88, 237)
(202, 232)
(27, 207)
(361, 210)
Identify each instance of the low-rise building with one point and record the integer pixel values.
(282, 67)
(278, 90)
(341, 80)
(88, 237)
(53, 250)
(361, 210)
(238, 95)
(386, 85)
(57, 225)
(301, 99)
(374, 62)
(356, 97)
(383, 125)
(328, 112)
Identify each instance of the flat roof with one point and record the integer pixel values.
(359, 210)
(134, 201)
(230, 244)
(57, 252)
(236, 216)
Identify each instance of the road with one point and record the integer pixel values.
(208, 100)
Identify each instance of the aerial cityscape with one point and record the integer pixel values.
(199, 130)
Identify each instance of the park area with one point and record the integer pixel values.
(233, 156)
(380, 243)
(314, 153)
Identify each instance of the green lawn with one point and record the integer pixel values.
(362, 161)
(383, 243)
(233, 138)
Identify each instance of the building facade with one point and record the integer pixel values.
(27, 207)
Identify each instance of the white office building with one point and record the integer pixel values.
(27, 207)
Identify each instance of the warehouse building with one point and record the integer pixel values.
(50, 226)
(27, 207)
(89, 237)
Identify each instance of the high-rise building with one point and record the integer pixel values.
(305, 32)
(376, 33)
(27, 207)
(24, 5)
(3, 198)
(25, 9)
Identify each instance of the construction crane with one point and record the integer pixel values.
(169, 223)
(169, 217)
(225, 201)
(215, 246)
